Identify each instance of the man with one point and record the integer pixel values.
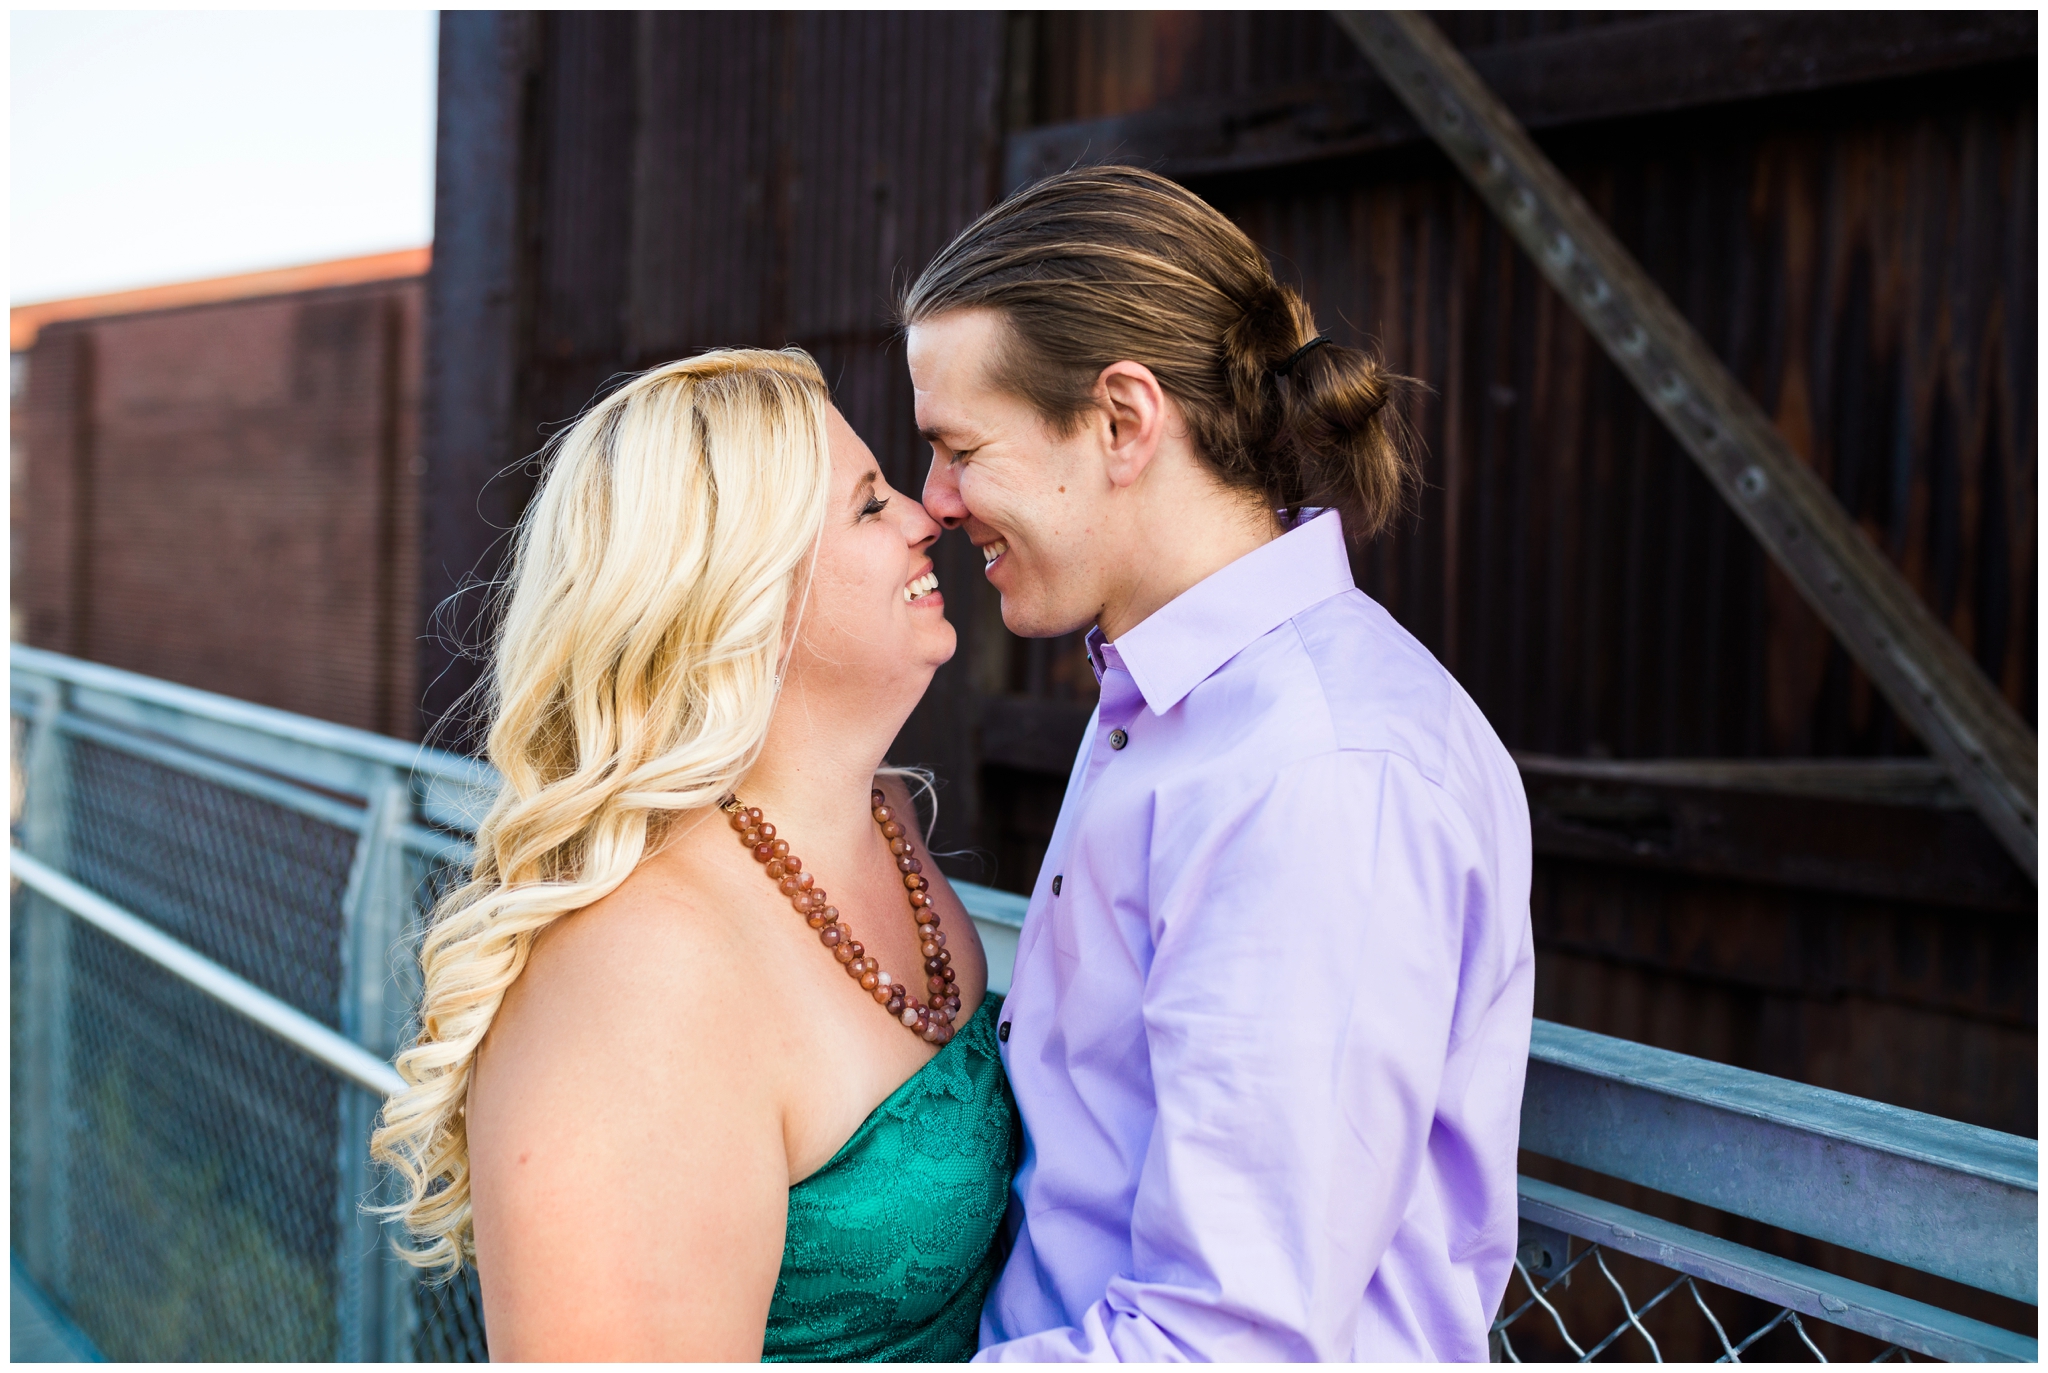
(1271, 1005)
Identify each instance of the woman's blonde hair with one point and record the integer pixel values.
(635, 676)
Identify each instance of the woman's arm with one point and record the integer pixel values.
(629, 1175)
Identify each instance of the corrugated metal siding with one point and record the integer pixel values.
(1864, 263)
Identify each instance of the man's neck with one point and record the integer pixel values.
(1189, 530)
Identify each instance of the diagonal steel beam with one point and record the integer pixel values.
(1912, 658)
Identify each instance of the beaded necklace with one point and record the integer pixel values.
(931, 1022)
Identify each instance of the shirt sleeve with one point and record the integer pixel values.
(1309, 946)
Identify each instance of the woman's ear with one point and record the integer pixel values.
(1135, 405)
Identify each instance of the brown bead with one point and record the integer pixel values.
(945, 955)
(832, 935)
(763, 852)
(908, 864)
(831, 912)
(932, 966)
(801, 903)
(780, 848)
(792, 864)
(930, 948)
(754, 814)
(899, 847)
(868, 981)
(935, 985)
(910, 1015)
(740, 820)
(913, 882)
(892, 830)
(790, 886)
(927, 929)
(767, 831)
(953, 1002)
(875, 796)
(750, 836)
(939, 938)
(883, 815)
(945, 1033)
(817, 919)
(879, 993)
(918, 901)
(858, 950)
(843, 952)
(776, 868)
(859, 968)
(806, 881)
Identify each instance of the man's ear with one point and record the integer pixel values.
(1135, 406)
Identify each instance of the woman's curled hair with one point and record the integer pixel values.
(1107, 264)
(634, 678)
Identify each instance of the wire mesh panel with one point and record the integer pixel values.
(451, 1321)
(196, 1205)
(1602, 1305)
(176, 1168)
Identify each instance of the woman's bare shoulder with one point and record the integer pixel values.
(611, 991)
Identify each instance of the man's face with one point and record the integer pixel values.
(1031, 501)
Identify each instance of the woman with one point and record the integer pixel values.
(677, 1100)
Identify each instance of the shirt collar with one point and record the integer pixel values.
(1175, 649)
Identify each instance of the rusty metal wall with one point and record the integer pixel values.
(687, 181)
(1864, 259)
(634, 187)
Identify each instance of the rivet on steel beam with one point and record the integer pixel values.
(1752, 482)
(1521, 204)
(1561, 250)
(1451, 116)
(1495, 163)
(1635, 340)
(1596, 292)
(1671, 390)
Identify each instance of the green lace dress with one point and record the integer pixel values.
(894, 1243)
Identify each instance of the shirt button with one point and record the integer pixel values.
(1117, 738)
(1056, 884)
(1003, 1032)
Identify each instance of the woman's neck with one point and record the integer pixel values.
(818, 764)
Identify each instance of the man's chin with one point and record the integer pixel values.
(1029, 621)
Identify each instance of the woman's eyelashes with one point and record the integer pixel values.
(875, 506)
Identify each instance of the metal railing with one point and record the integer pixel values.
(210, 933)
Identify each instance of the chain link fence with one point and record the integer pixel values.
(187, 1184)
(1599, 1304)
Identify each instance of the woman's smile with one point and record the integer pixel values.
(922, 591)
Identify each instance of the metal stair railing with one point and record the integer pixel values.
(210, 934)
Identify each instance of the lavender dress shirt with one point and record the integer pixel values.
(1271, 1005)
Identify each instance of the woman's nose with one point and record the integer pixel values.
(942, 495)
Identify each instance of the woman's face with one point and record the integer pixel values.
(873, 609)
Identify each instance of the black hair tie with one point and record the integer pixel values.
(1298, 354)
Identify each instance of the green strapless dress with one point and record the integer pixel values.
(893, 1244)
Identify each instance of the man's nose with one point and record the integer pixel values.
(942, 495)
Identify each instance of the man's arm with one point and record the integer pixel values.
(1298, 1011)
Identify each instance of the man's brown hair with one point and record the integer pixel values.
(1107, 264)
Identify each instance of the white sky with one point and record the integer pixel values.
(168, 145)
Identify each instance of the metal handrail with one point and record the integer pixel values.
(238, 994)
(1803, 1158)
